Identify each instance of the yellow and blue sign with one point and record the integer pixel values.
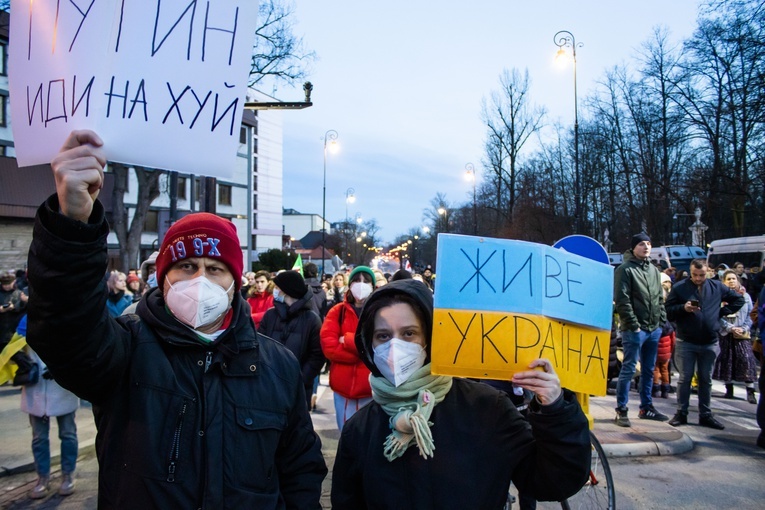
(501, 303)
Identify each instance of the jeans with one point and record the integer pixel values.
(67, 433)
(347, 407)
(642, 344)
(701, 359)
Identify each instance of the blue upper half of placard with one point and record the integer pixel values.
(502, 275)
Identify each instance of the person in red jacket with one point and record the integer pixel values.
(348, 375)
(260, 296)
(661, 374)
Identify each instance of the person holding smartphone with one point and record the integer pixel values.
(696, 305)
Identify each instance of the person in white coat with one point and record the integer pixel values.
(41, 401)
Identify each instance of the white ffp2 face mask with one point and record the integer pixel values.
(361, 290)
(197, 302)
(397, 360)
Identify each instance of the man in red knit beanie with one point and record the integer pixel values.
(194, 408)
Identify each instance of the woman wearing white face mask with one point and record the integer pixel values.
(348, 376)
(458, 442)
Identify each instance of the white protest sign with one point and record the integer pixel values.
(162, 82)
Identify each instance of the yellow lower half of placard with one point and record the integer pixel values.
(495, 345)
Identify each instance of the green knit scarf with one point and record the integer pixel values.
(413, 401)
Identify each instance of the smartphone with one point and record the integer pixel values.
(695, 302)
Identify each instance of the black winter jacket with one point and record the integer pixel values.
(181, 424)
(297, 327)
(701, 327)
(481, 443)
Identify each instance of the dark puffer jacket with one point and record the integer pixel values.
(181, 423)
(638, 294)
(297, 327)
(701, 327)
(481, 443)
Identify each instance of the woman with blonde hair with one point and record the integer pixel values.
(119, 297)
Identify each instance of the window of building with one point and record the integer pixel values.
(255, 182)
(255, 201)
(254, 221)
(197, 189)
(224, 194)
(151, 223)
(254, 242)
(243, 135)
(3, 150)
(3, 108)
(3, 59)
(181, 188)
(255, 145)
(255, 127)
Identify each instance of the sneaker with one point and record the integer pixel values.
(711, 422)
(679, 419)
(40, 489)
(621, 417)
(650, 413)
(67, 485)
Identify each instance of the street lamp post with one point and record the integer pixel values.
(443, 211)
(470, 176)
(350, 198)
(331, 137)
(565, 39)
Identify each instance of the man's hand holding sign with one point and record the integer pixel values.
(504, 306)
(79, 172)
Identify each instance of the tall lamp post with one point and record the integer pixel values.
(443, 211)
(331, 137)
(350, 198)
(470, 176)
(565, 39)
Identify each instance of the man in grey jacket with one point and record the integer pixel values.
(640, 304)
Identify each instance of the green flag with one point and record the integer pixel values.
(298, 265)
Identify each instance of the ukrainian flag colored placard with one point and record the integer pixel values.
(499, 304)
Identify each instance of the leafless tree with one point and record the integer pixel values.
(511, 120)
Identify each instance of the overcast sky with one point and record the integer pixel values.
(402, 83)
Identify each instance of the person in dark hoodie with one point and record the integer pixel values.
(194, 409)
(294, 323)
(319, 296)
(428, 441)
(696, 305)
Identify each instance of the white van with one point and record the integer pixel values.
(750, 251)
(676, 255)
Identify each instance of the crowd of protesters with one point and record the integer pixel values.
(709, 322)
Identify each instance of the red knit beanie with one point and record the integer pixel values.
(201, 235)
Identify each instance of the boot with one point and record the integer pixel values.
(40, 490)
(750, 396)
(67, 484)
(728, 391)
(655, 391)
(665, 391)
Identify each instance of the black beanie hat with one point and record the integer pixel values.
(291, 283)
(639, 238)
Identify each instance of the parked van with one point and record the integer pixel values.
(615, 259)
(676, 255)
(750, 251)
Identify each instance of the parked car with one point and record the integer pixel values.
(676, 255)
